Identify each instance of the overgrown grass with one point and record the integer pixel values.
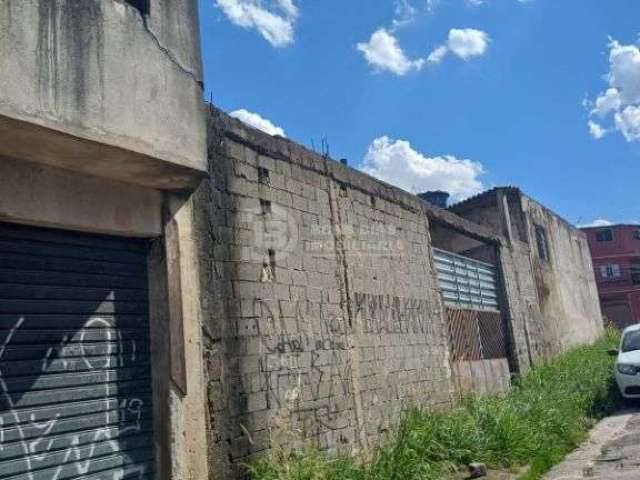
(546, 415)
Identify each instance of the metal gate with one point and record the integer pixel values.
(475, 335)
(465, 282)
(75, 386)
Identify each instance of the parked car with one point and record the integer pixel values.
(628, 363)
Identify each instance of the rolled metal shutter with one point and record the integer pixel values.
(75, 383)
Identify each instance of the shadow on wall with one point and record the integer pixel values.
(321, 312)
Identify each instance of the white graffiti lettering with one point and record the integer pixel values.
(45, 443)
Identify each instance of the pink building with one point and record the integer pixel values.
(615, 251)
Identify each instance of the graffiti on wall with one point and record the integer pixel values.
(384, 314)
(306, 357)
(305, 364)
(51, 436)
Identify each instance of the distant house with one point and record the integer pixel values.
(616, 259)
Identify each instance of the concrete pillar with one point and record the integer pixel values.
(505, 216)
(176, 337)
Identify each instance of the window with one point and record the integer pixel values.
(636, 234)
(631, 341)
(142, 5)
(541, 240)
(635, 274)
(610, 271)
(604, 235)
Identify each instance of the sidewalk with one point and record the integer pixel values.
(611, 453)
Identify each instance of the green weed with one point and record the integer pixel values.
(546, 415)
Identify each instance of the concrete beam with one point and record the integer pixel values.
(35, 143)
(40, 195)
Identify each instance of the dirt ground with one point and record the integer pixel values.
(492, 476)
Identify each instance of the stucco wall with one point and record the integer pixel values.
(553, 304)
(566, 285)
(530, 342)
(97, 71)
(323, 340)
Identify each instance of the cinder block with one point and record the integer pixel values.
(267, 162)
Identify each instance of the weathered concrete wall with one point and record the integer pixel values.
(179, 403)
(321, 309)
(553, 304)
(527, 341)
(46, 196)
(102, 129)
(482, 377)
(566, 285)
(530, 343)
(95, 86)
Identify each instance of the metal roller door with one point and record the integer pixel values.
(75, 386)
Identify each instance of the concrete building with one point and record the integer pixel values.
(180, 292)
(331, 299)
(557, 289)
(615, 251)
(102, 137)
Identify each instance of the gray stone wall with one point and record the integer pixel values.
(321, 309)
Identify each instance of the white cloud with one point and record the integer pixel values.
(607, 102)
(621, 100)
(383, 52)
(288, 7)
(464, 43)
(624, 73)
(596, 130)
(600, 222)
(397, 163)
(438, 54)
(431, 5)
(256, 121)
(274, 19)
(405, 13)
(628, 122)
(468, 42)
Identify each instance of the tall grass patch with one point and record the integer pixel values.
(545, 416)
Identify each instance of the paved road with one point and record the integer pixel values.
(612, 452)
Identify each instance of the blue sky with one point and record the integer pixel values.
(456, 94)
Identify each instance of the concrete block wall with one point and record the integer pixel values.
(396, 312)
(320, 307)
